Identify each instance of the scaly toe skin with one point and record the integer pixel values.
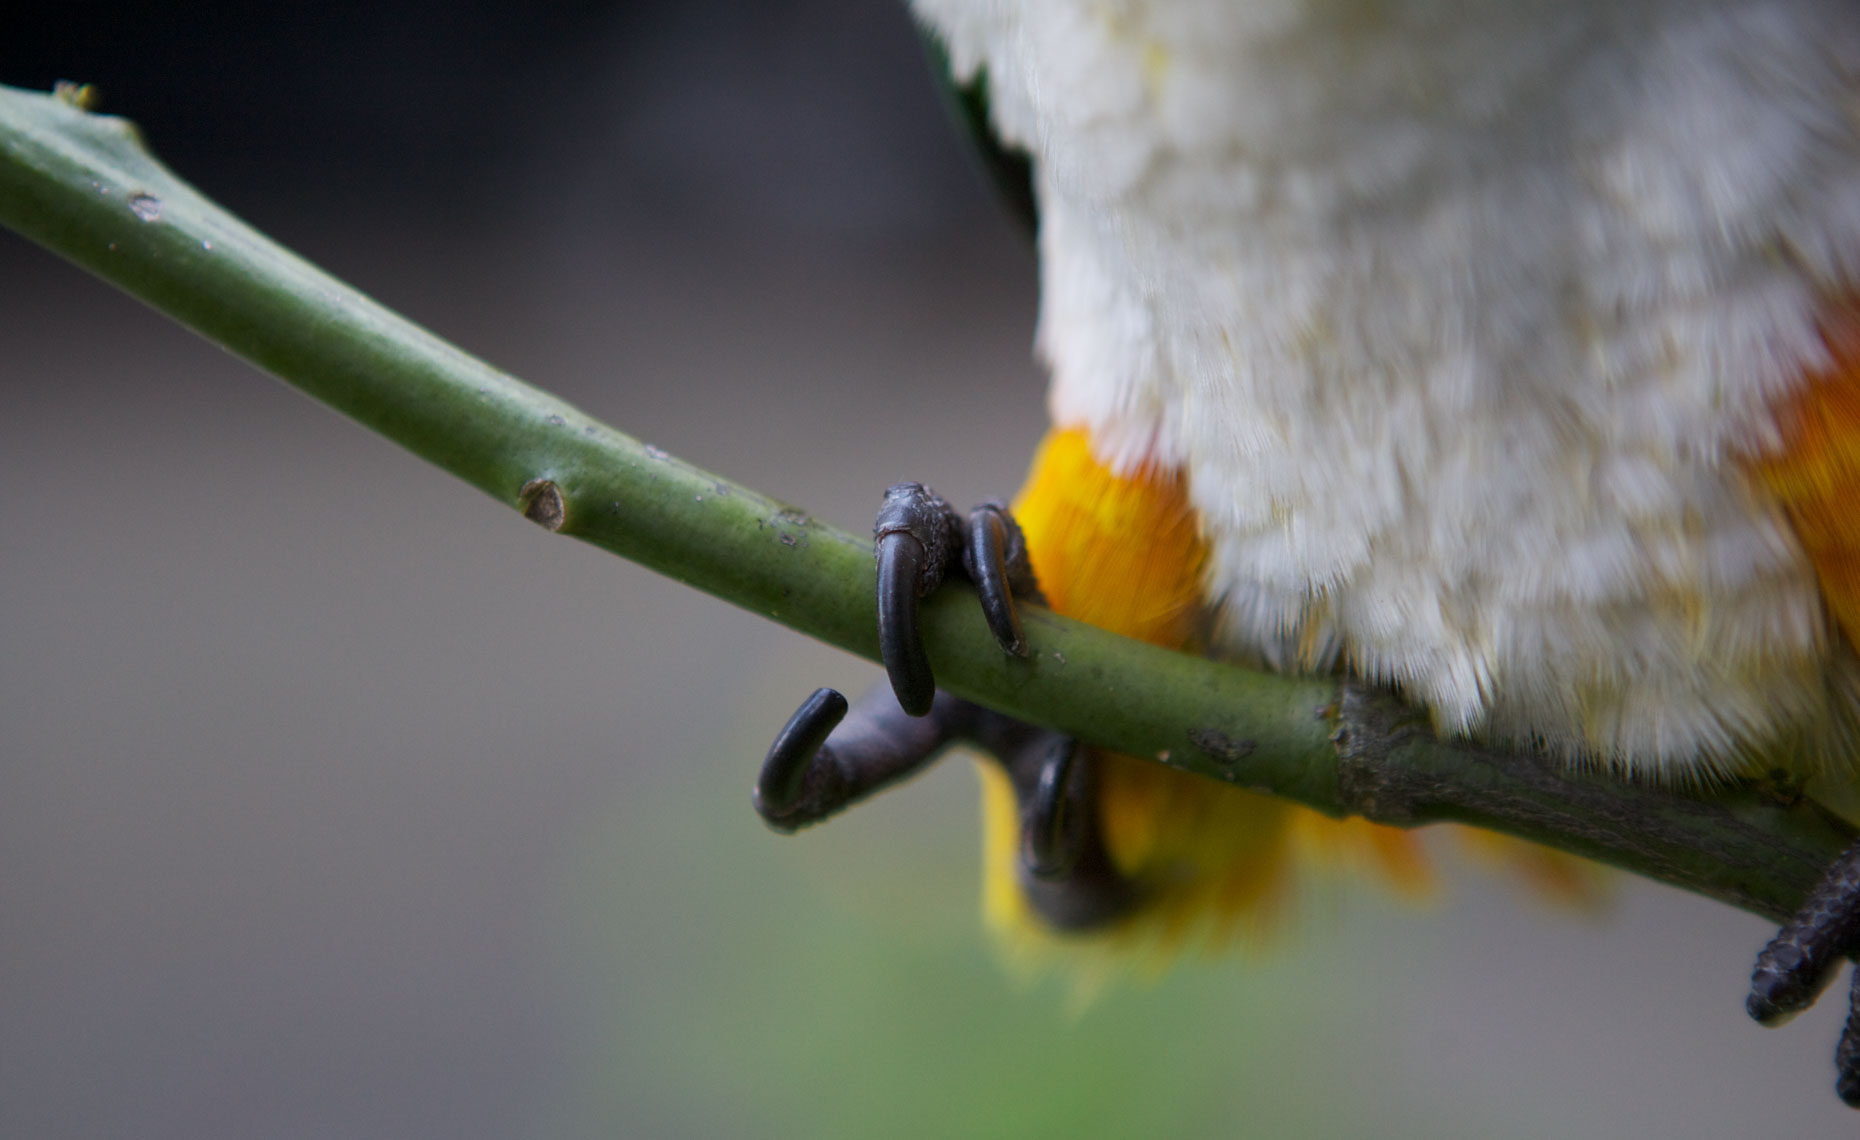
(915, 536)
(1800, 961)
(1847, 1053)
(1780, 987)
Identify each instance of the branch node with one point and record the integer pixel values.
(1224, 750)
(541, 503)
(1370, 725)
(65, 181)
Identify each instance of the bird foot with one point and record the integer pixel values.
(1800, 961)
(917, 540)
(829, 756)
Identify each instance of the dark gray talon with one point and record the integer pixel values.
(820, 764)
(790, 771)
(916, 536)
(1065, 868)
(916, 533)
(900, 642)
(1049, 842)
(991, 551)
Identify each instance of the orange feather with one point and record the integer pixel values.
(1815, 474)
(1123, 552)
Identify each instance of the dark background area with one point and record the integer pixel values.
(337, 801)
(810, 113)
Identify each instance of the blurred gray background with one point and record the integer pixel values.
(320, 819)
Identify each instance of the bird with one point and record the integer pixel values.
(1502, 352)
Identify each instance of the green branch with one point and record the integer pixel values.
(83, 186)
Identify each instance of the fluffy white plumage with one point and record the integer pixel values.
(1457, 313)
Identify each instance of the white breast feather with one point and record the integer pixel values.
(1456, 313)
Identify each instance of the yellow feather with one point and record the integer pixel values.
(1123, 552)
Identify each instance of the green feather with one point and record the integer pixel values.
(1009, 169)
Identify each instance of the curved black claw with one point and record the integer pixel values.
(900, 643)
(995, 558)
(1799, 962)
(1050, 844)
(1066, 870)
(791, 781)
(915, 534)
(820, 764)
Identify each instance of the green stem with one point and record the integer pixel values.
(83, 186)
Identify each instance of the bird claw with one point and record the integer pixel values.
(1798, 964)
(915, 538)
(996, 560)
(800, 783)
(1049, 844)
(827, 757)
